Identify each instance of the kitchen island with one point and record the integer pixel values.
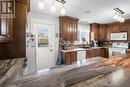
(94, 72)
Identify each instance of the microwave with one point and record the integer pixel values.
(119, 36)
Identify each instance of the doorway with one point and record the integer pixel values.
(44, 34)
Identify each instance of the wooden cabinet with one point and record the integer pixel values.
(94, 28)
(128, 28)
(114, 28)
(102, 52)
(103, 32)
(118, 27)
(128, 51)
(6, 29)
(122, 27)
(96, 52)
(68, 28)
(105, 52)
(93, 53)
(88, 53)
(69, 57)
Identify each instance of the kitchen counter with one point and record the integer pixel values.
(80, 74)
(80, 49)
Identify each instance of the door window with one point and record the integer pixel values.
(43, 37)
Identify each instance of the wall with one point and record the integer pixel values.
(40, 16)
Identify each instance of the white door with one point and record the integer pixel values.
(44, 46)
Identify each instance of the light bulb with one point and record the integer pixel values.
(63, 11)
(122, 20)
(41, 5)
(119, 18)
(53, 8)
(115, 16)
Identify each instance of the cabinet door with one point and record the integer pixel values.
(114, 28)
(122, 27)
(73, 57)
(128, 51)
(104, 52)
(94, 31)
(102, 32)
(74, 31)
(88, 54)
(96, 52)
(64, 31)
(70, 31)
(69, 57)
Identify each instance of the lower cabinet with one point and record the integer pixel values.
(128, 51)
(88, 53)
(102, 52)
(69, 57)
(93, 53)
(105, 52)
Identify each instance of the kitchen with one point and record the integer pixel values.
(54, 41)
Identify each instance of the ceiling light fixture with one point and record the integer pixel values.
(118, 15)
(41, 5)
(61, 1)
(53, 7)
(63, 11)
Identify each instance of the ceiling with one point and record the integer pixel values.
(99, 11)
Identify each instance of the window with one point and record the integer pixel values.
(83, 33)
(43, 37)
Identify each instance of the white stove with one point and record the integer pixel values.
(118, 48)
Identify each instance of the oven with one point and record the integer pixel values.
(116, 51)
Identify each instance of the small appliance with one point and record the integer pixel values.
(100, 43)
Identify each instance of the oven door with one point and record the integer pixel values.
(116, 51)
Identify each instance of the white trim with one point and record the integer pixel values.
(47, 22)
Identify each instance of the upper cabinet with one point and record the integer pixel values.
(68, 28)
(103, 32)
(122, 27)
(94, 28)
(128, 29)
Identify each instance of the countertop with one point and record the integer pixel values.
(85, 49)
(80, 74)
(81, 49)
